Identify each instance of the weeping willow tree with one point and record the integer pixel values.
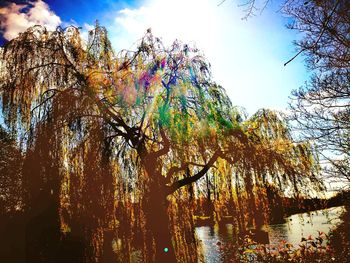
(270, 165)
(288, 164)
(115, 142)
(283, 165)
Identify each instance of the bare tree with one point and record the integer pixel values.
(322, 106)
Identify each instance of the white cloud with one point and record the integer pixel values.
(246, 56)
(14, 20)
(189, 21)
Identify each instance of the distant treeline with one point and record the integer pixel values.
(280, 207)
(298, 205)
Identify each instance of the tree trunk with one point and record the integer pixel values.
(157, 219)
(43, 233)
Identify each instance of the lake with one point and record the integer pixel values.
(295, 227)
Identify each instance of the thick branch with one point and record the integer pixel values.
(194, 178)
(183, 167)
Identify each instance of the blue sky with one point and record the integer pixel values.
(247, 56)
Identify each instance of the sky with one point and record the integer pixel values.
(246, 56)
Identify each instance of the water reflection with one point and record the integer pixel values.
(209, 237)
(296, 227)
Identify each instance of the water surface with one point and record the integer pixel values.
(296, 227)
